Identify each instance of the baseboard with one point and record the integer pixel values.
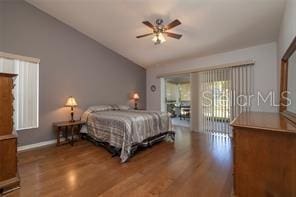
(37, 145)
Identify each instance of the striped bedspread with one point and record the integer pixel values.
(124, 128)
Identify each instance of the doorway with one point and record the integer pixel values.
(177, 99)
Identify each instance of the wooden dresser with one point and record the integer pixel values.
(264, 146)
(8, 139)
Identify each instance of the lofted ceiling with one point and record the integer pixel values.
(208, 26)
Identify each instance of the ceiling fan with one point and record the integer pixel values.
(159, 29)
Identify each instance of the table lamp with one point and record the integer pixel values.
(136, 97)
(71, 102)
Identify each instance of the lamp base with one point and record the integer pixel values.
(72, 116)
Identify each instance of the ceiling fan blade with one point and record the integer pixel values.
(173, 24)
(173, 35)
(147, 23)
(144, 35)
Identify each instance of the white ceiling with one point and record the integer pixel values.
(208, 26)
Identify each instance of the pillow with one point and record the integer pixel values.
(94, 109)
(115, 107)
(123, 107)
(99, 108)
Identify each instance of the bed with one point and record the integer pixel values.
(122, 131)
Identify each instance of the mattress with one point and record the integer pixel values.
(125, 128)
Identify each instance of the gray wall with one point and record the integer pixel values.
(1, 26)
(71, 64)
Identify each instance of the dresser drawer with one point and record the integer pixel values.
(8, 158)
(6, 118)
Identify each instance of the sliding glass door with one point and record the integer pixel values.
(220, 95)
(215, 101)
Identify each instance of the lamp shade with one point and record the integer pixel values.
(71, 102)
(136, 96)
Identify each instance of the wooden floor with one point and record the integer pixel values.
(195, 165)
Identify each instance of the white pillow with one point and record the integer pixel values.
(123, 107)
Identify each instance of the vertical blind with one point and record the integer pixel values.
(224, 94)
(26, 91)
(242, 87)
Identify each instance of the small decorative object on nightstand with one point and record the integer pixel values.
(65, 127)
(71, 102)
(136, 98)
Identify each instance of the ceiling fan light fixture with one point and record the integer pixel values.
(158, 38)
(158, 31)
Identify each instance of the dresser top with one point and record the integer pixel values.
(7, 75)
(264, 121)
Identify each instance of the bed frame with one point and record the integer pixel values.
(136, 147)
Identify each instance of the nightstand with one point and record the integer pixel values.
(64, 128)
